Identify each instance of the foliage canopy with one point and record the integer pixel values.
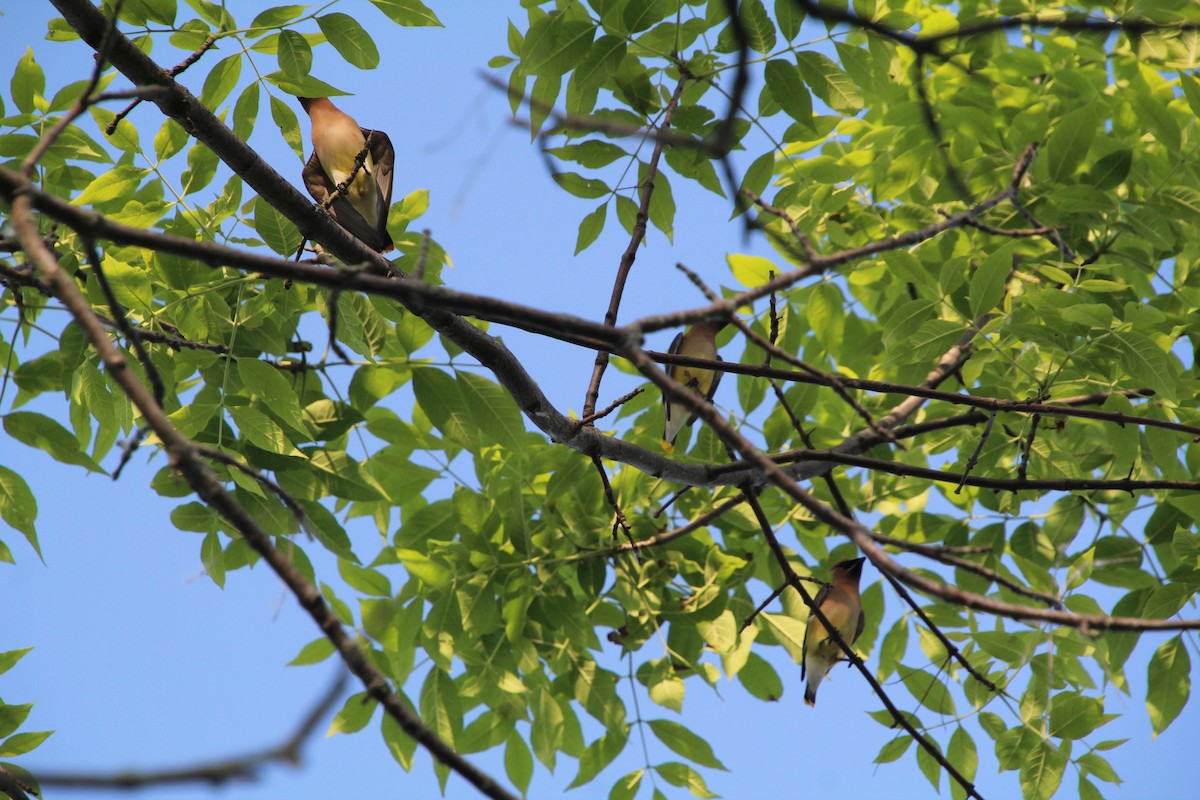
(985, 221)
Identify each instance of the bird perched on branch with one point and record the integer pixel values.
(841, 604)
(338, 141)
(698, 341)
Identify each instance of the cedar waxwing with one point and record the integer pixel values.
(337, 140)
(840, 603)
(698, 341)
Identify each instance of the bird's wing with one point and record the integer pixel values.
(712, 390)
(717, 373)
(862, 623)
(672, 370)
(316, 181)
(321, 186)
(384, 156)
(817, 601)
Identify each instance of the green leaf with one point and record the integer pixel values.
(220, 81)
(546, 733)
(213, 558)
(599, 754)
(987, 284)
(590, 228)
(294, 54)
(893, 749)
(402, 746)
(668, 693)
(289, 126)
(592, 154)
(1146, 362)
(1074, 716)
(11, 717)
(18, 507)
(895, 643)
(325, 528)
(555, 44)
(682, 775)
(314, 652)
(760, 31)
(1098, 766)
(685, 743)
(493, 410)
(601, 63)
(760, 679)
(1012, 648)
(751, 271)
(1088, 790)
(789, 16)
(21, 743)
(928, 690)
(245, 113)
(932, 339)
(759, 174)
(28, 82)
(1042, 771)
(789, 631)
(277, 16)
(903, 321)
(41, 432)
(627, 786)
(261, 431)
(410, 13)
(118, 183)
(1069, 142)
(829, 82)
(422, 566)
(9, 658)
(518, 762)
(930, 768)
(276, 230)
(962, 754)
(662, 205)
(268, 384)
(305, 86)
(783, 79)
(587, 188)
(350, 39)
(1168, 683)
(1111, 171)
(354, 715)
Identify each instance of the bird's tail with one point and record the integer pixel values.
(810, 689)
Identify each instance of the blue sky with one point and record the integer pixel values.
(142, 662)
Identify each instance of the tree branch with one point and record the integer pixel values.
(218, 772)
(189, 461)
(627, 258)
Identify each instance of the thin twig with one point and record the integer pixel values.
(636, 236)
(122, 322)
(111, 128)
(613, 406)
(974, 458)
(1028, 446)
(620, 522)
